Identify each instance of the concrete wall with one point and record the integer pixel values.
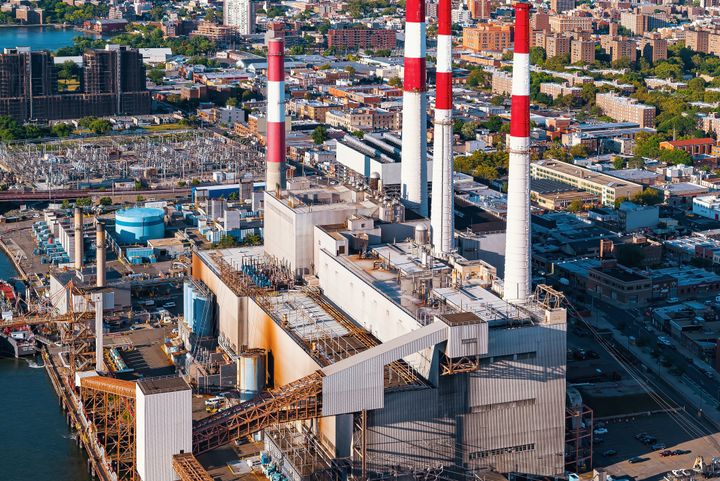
(289, 233)
(368, 306)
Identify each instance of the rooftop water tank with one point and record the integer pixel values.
(139, 224)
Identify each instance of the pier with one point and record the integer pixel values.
(73, 408)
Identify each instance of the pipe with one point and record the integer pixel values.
(441, 220)
(413, 172)
(78, 238)
(276, 166)
(517, 284)
(100, 254)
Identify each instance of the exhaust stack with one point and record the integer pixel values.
(441, 220)
(414, 124)
(517, 284)
(275, 180)
(100, 254)
(78, 238)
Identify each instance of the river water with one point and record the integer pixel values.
(35, 441)
(38, 38)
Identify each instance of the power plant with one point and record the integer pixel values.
(357, 342)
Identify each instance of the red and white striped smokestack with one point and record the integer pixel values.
(517, 244)
(441, 219)
(275, 179)
(414, 123)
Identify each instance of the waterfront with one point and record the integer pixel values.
(36, 441)
(38, 38)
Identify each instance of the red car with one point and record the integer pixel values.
(666, 453)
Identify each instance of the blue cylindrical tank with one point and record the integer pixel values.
(251, 373)
(139, 224)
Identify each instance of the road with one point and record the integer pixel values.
(625, 323)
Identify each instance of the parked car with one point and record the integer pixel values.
(637, 459)
(657, 446)
(609, 452)
(667, 453)
(600, 431)
(679, 452)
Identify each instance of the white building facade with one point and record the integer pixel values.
(240, 14)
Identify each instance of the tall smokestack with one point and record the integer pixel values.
(78, 238)
(100, 254)
(517, 243)
(441, 220)
(414, 123)
(276, 116)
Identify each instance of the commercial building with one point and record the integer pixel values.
(487, 37)
(368, 38)
(691, 146)
(113, 83)
(625, 109)
(608, 188)
(240, 14)
(707, 206)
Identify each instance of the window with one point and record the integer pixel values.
(499, 451)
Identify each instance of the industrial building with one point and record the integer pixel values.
(360, 342)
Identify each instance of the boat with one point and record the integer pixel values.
(18, 340)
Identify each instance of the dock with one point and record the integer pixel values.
(72, 406)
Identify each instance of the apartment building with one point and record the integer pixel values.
(556, 90)
(654, 48)
(691, 146)
(370, 38)
(570, 23)
(364, 119)
(556, 45)
(311, 109)
(625, 109)
(540, 21)
(501, 83)
(607, 188)
(582, 51)
(697, 40)
(480, 9)
(560, 6)
(487, 37)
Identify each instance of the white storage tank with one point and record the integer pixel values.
(251, 373)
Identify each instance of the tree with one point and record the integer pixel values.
(156, 75)
(359, 134)
(648, 197)
(618, 163)
(497, 100)
(578, 151)
(252, 240)
(468, 130)
(61, 129)
(395, 82)
(675, 157)
(195, 182)
(319, 135)
(138, 185)
(83, 202)
(575, 206)
(105, 201)
(226, 242)
(647, 145)
(100, 126)
(537, 55)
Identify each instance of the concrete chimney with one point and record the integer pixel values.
(413, 175)
(78, 238)
(99, 347)
(276, 116)
(441, 220)
(517, 244)
(100, 253)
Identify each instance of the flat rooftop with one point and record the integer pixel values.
(586, 175)
(159, 385)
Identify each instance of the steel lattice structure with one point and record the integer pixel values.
(188, 468)
(296, 401)
(109, 405)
